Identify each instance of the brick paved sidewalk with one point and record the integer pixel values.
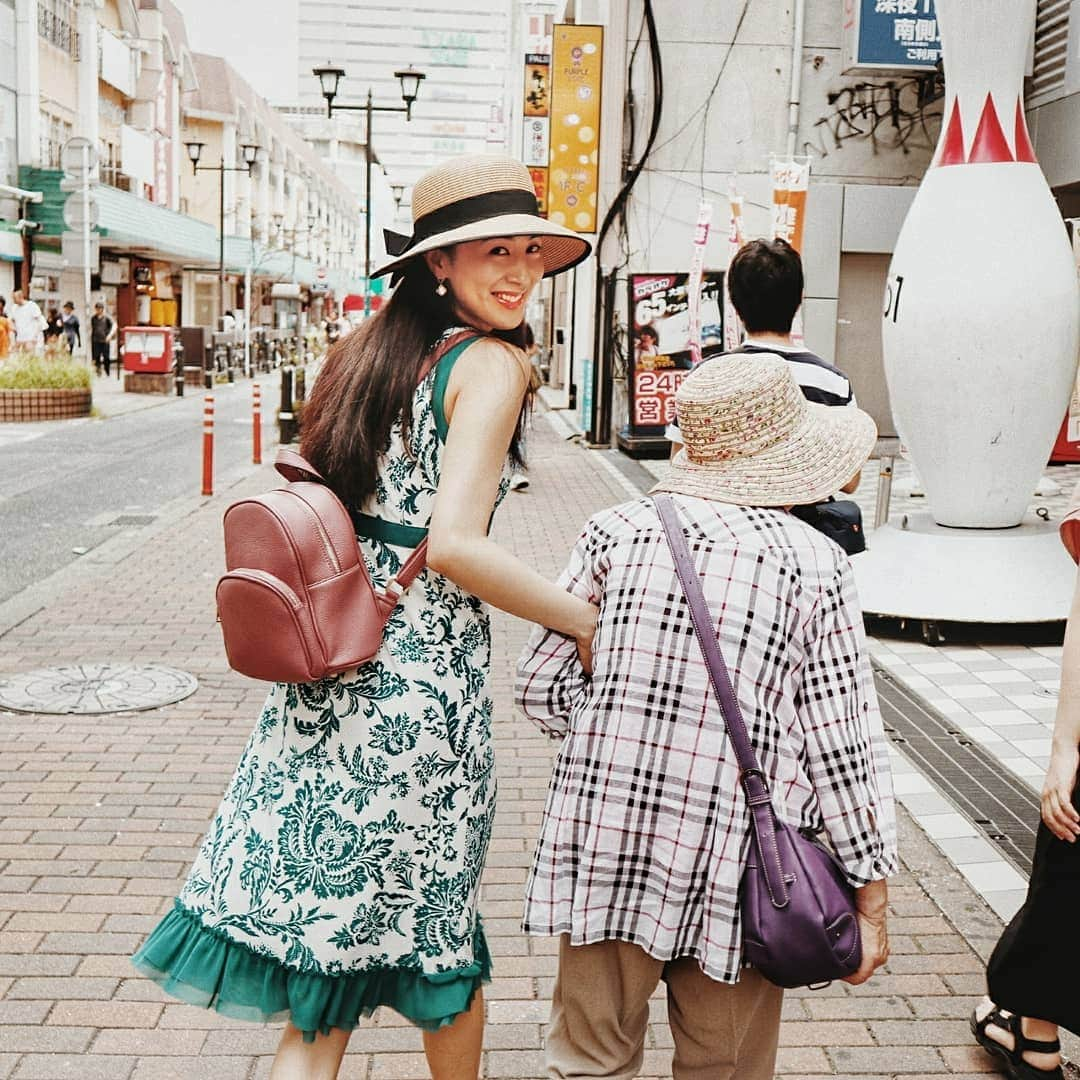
(100, 818)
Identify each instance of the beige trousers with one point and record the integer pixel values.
(600, 1010)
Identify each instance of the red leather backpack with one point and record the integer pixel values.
(297, 603)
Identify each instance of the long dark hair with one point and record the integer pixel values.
(367, 383)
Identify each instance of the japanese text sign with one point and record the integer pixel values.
(891, 34)
(660, 357)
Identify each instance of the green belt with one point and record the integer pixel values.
(390, 532)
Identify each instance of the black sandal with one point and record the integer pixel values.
(1015, 1065)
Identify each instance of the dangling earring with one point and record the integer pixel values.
(440, 289)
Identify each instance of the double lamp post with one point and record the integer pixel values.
(329, 76)
(251, 155)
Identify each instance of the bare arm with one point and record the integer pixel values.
(1058, 811)
(483, 399)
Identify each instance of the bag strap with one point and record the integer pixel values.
(408, 572)
(750, 775)
(295, 467)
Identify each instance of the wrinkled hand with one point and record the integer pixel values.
(874, 931)
(1058, 812)
(584, 638)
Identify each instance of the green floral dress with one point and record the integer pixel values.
(342, 869)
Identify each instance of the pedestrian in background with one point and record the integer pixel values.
(765, 281)
(1029, 976)
(7, 330)
(70, 322)
(54, 326)
(342, 871)
(29, 322)
(645, 832)
(101, 335)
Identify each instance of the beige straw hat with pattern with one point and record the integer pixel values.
(752, 439)
(475, 197)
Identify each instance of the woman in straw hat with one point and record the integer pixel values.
(645, 832)
(342, 870)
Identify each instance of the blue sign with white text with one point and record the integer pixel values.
(898, 33)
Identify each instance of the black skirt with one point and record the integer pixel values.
(1033, 966)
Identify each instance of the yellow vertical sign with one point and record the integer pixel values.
(576, 69)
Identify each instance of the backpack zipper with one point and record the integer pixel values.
(270, 581)
(328, 547)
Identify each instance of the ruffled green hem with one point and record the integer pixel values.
(202, 966)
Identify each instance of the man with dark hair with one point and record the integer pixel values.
(102, 331)
(765, 280)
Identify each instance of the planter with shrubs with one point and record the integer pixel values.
(40, 386)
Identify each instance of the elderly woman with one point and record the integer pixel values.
(646, 833)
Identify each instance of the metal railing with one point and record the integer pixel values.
(56, 25)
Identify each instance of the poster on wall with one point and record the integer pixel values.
(660, 356)
(576, 70)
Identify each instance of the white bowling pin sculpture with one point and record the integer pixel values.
(981, 323)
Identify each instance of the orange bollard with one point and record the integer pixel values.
(256, 424)
(208, 445)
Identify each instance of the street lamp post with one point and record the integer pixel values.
(329, 76)
(251, 155)
(398, 191)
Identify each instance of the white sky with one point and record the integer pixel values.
(258, 37)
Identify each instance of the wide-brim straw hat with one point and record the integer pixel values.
(475, 197)
(752, 439)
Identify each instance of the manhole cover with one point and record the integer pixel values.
(95, 688)
(134, 519)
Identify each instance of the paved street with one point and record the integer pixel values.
(100, 817)
(65, 483)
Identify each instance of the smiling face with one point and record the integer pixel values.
(490, 280)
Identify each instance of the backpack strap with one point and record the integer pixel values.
(447, 358)
(407, 574)
(294, 467)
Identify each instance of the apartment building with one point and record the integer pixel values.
(121, 74)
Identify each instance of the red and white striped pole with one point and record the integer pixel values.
(208, 445)
(256, 424)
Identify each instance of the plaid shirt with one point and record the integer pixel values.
(645, 831)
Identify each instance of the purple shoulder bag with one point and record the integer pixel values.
(798, 910)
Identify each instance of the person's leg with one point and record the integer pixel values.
(600, 1010)
(453, 1052)
(318, 1060)
(1030, 1027)
(722, 1032)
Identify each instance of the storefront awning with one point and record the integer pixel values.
(131, 225)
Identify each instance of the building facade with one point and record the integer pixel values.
(121, 75)
(743, 83)
(462, 46)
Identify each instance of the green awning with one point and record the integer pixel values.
(127, 222)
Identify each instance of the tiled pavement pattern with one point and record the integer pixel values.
(100, 817)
